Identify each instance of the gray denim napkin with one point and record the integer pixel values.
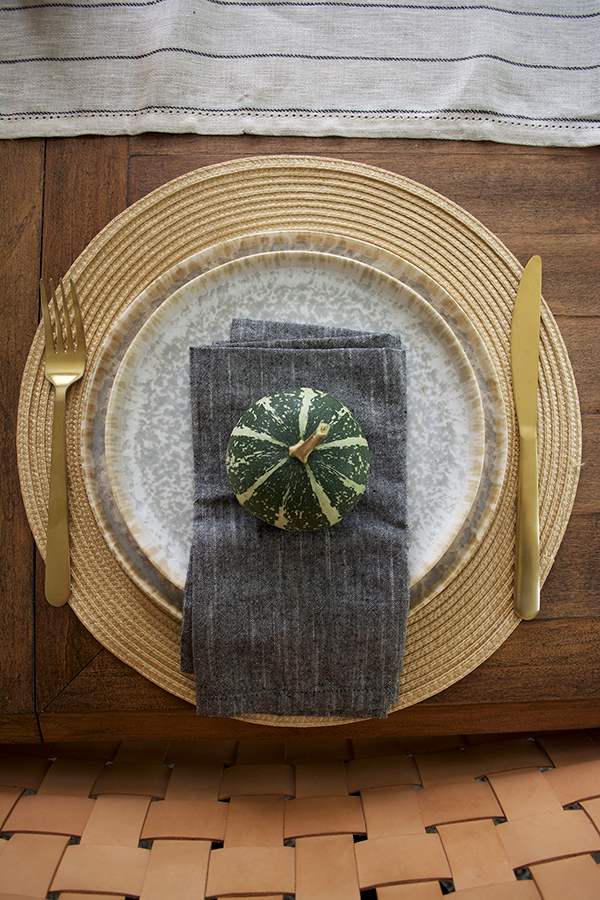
(297, 624)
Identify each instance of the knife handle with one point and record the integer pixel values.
(527, 556)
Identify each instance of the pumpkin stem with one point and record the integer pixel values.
(302, 449)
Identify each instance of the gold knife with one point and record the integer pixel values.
(525, 338)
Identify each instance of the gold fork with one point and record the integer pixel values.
(65, 364)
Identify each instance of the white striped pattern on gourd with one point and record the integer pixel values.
(281, 489)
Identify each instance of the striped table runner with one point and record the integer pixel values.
(516, 71)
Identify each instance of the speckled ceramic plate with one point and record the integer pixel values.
(138, 445)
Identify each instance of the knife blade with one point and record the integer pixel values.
(524, 354)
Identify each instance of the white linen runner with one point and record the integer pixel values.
(516, 71)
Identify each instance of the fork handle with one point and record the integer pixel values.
(58, 565)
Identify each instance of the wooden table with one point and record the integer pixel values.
(56, 681)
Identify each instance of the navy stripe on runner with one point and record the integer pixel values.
(298, 56)
(109, 4)
(355, 113)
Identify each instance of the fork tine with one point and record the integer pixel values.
(79, 333)
(68, 330)
(47, 323)
(60, 346)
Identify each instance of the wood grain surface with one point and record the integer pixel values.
(56, 681)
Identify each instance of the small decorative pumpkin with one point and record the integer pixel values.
(298, 460)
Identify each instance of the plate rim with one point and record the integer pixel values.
(179, 301)
(428, 585)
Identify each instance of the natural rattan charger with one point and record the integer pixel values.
(466, 622)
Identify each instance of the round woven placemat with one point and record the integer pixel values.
(464, 624)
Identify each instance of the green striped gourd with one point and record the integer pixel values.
(298, 460)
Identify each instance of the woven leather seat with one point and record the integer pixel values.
(484, 817)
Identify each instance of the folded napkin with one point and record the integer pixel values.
(289, 623)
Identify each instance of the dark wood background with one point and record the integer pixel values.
(56, 681)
